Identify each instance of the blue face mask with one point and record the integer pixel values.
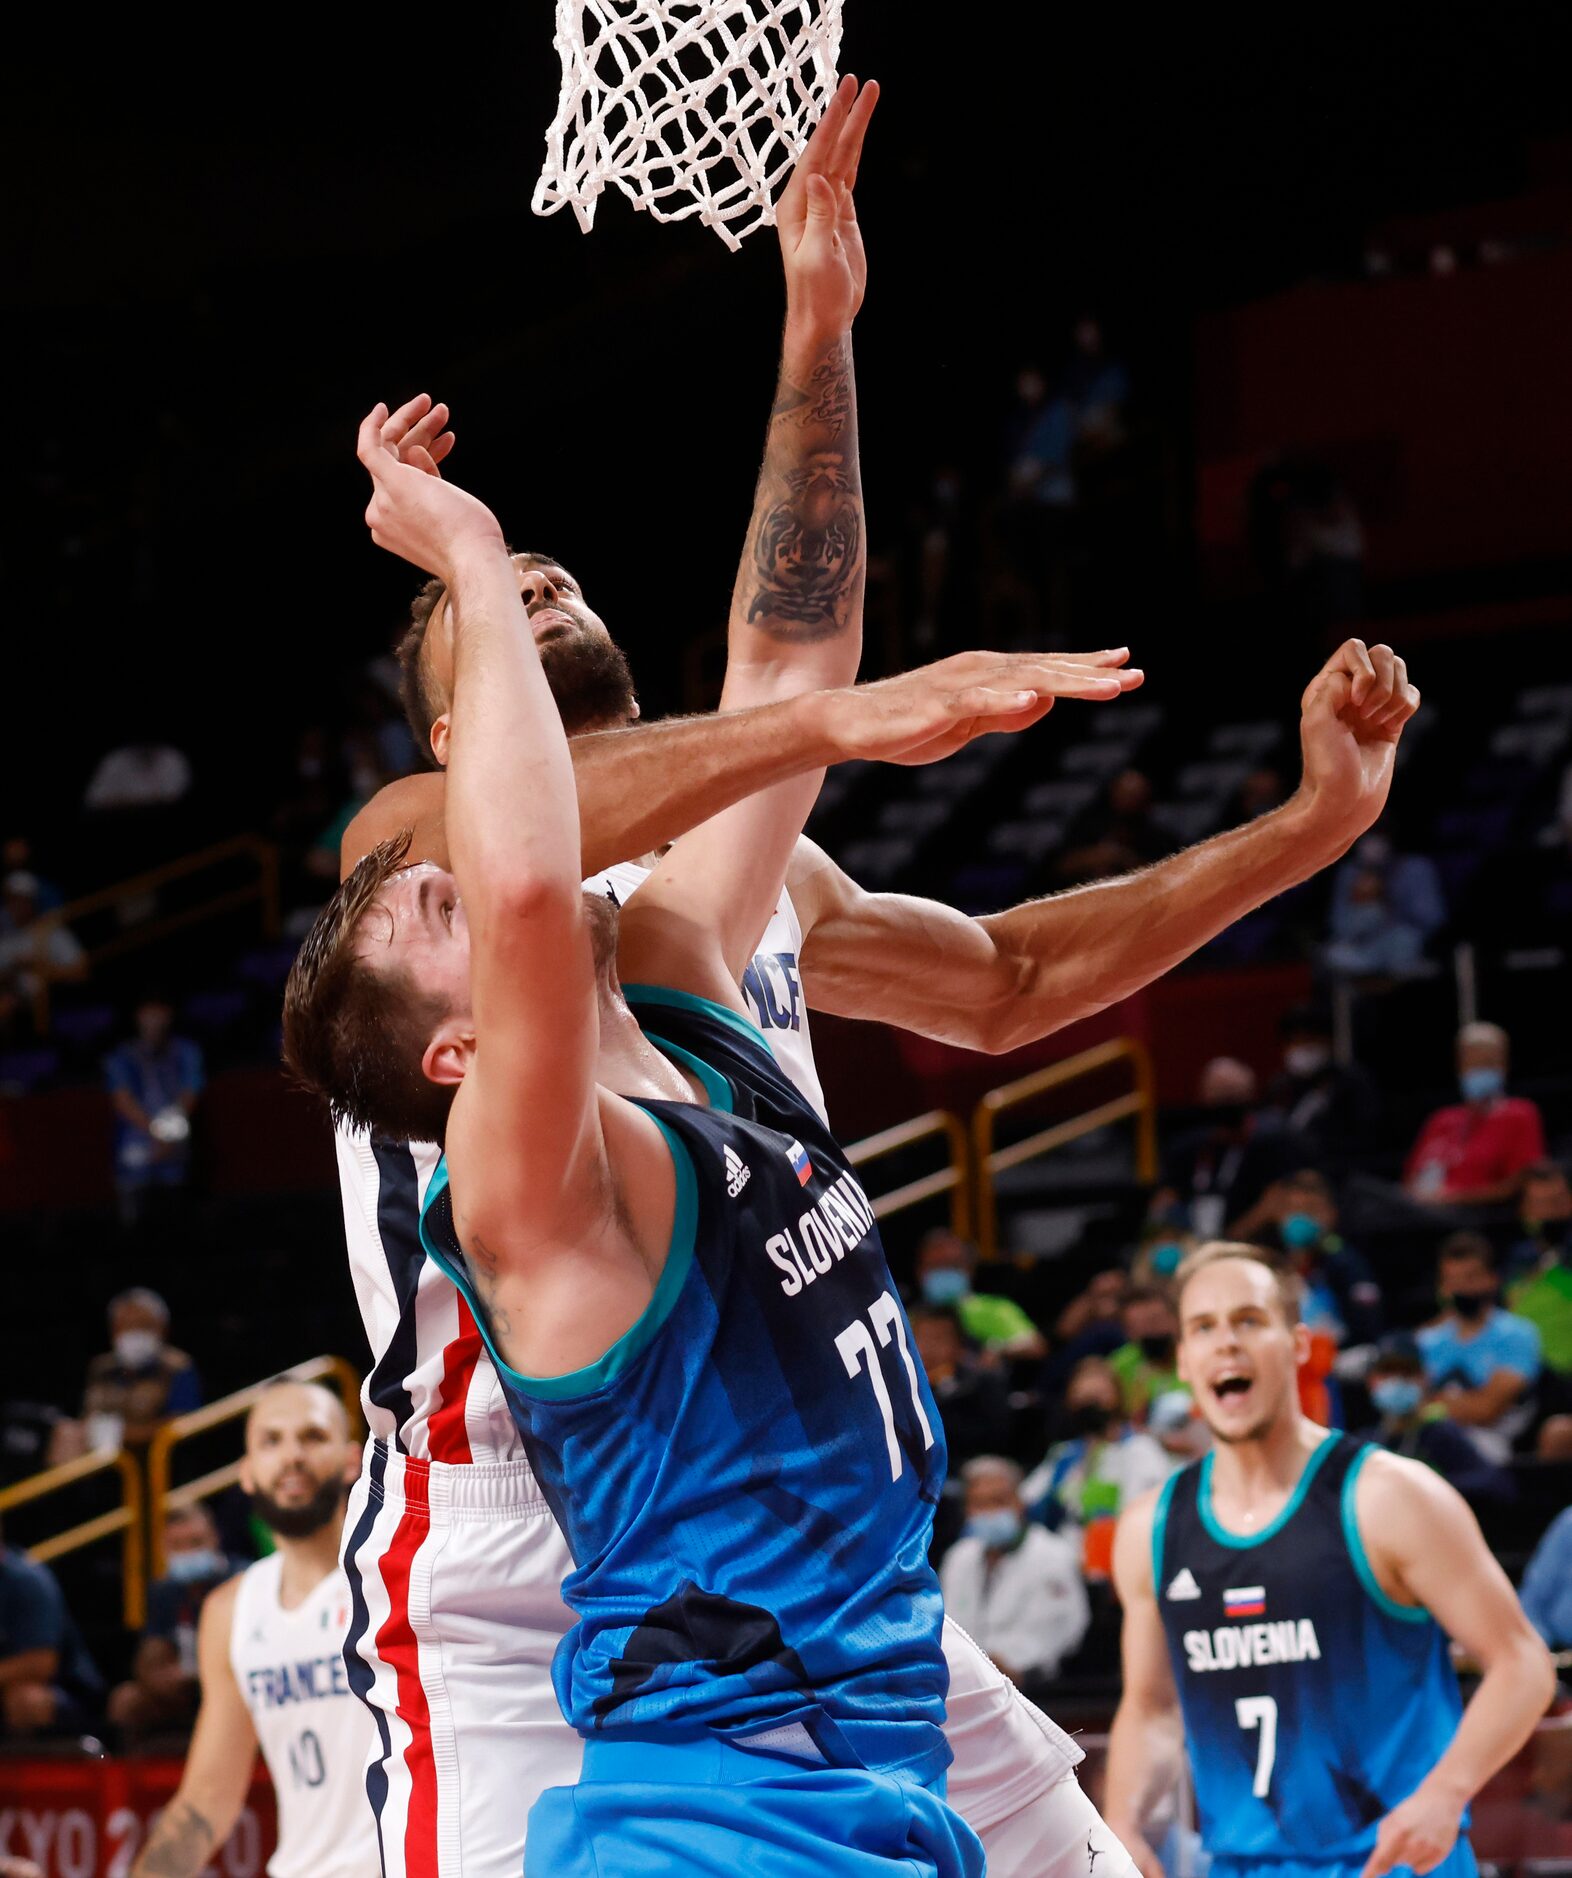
(947, 1285)
(1481, 1085)
(997, 1529)
(188, 1568)
(1166, 1257)
(1298, 1231)
(1397, 1396)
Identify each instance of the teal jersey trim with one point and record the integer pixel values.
(639, 1335)
(716, 1087)
(1160, 1531)
(1241, 1542)
(686, 1001)
(1405, 1613)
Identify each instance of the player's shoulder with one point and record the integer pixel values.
(218, 1607)
(408, 802)
(1394, 1492)
(1133, 1564)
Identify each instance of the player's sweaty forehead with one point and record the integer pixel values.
(1222, 1290)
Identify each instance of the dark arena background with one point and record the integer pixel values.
(1220, 344)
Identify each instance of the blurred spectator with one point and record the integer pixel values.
(363, 764)
(1543, 1294)
(1475, 1151)
(154, 1082)
(973, 1401)
(945, 1266)
(1332, 1106)
(1124, 836)
(1145, 1364)
(1410, 1425)
(1308, 540)
(35, 949)
(1340, 1290)
(163, 1691)
(1368, 939)
(1410, 883)
(1177, 1429)
(1082, 1484)
(16, 857)
(142, 1380)
(36, 1435)
(1218, 1170)
(1016, 1587)
(1092, 1316)
(1261, 791)
(1481, 1361)
(139, 776)
(1547, 1584)
(48, 1682)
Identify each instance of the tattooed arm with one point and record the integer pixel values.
(217, 1775)
(796, 610)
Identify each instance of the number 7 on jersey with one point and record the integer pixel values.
(858, 1349)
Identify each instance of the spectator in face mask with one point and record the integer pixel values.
(142, 1380)
(973, 1402)
(1475, 1152)
(1543, 1295)
(1083, 1483)
(1409, 1423)
(945, 1264)
(164, 1690)
(1340, 1293)
(1014, 1586)
(1480, 1361)
(1145, 1363)
(1332, 1106)
(1217, 1170)
(154, 1080)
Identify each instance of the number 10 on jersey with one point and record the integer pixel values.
(858, 1350)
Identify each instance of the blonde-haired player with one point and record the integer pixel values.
(271, 1656)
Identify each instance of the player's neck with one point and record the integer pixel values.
(1248, 1475)
(628, 1062)
(306, 1562)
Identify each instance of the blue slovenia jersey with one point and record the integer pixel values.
(747, 1477)
(1313, 1703)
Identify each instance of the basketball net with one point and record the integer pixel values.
(691, 107)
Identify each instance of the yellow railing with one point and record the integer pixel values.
(164, 1498)
(125, 1519)
(954, 1178)
(989, 1161)
(263, 890)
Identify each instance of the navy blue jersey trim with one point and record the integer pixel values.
(361, 1679)
(639, 1335)
(1243, 1542)
(1405, 1613)
(705, 1007)
(1160, 1530)
(398, 1202)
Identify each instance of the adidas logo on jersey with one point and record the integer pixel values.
(738, 1173)
(1184, 1586)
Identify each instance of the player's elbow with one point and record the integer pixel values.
(1027, 1004)
(1534, 1671)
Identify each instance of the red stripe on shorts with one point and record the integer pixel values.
(447, 1437)
(397, 1648)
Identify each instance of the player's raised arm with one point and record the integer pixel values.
(217, 1776)
(1146, 1743)
(1425, 1545)
(1001, 981)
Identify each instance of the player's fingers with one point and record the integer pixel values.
(1329, 695)
(368, 439)
(819, 151)
(1396, 709)
(417, 456)
(407, 415)
(1111, 655)
(848, 151)
(431, 425)
(442, 446)
(1383, 1857)
(1379, 694)
(1354, 658)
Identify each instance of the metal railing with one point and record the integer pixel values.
(163, 1499)
(989, 1161)
(126, 1519)
(263, 890)
(954, 1178)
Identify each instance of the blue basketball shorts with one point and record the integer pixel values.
(1458, 1863)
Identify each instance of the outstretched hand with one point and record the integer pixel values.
(816, 220)
(927, 714)
(413, 512)
(1417, 1835)
(1352, 717)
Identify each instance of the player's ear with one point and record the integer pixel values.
(439, 738)
(1301, 1346)
(447, 1056)
(248, 1483)
(633, 712)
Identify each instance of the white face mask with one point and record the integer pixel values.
(135, 1349)
(1304, 1059)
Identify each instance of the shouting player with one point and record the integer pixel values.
(270, 1652)
(1287, 1605)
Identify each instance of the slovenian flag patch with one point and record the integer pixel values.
(801, 1166)
(1245, 1601)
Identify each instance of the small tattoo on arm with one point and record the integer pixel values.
(179, 1845)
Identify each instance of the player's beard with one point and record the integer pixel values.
(590, 680)
(306, 1517)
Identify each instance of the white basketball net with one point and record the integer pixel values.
(691, 107)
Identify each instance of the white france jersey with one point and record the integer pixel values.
(432, 1391)
(314, 1733)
